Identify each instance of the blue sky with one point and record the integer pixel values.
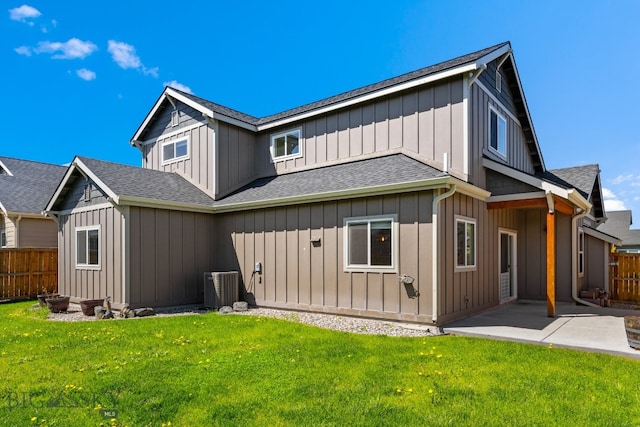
(79, 77)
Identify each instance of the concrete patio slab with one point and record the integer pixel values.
(575, 326)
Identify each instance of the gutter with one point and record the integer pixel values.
(434, 253)
(574, 259)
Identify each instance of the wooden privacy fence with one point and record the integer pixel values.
(624, 276)
(25, 273)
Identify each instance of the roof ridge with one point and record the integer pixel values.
(31, 161)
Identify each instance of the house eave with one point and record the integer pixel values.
(162, 204)
(602, 236)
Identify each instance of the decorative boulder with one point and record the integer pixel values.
(240, 306)
(225, 310)
(144, 312)
(127, 312)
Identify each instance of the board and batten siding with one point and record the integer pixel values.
(518, 155)
(596, 264)
(427, 121)
(188, 117)
(169, 252)
(235, 158)
(197, 166)
(300, 274)
(38, 233)
(83, 283)
(78, 198)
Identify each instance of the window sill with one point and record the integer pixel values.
(88, 267)
(285, 158)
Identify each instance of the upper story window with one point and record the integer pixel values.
(370, 243)
(498, 132)
(88, 247)
(465, 243)
(286, 145)
(175, 150)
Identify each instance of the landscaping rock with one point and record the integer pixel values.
(240, 306)
(225, 309)
(127, 312)
(99, 311)
(144, 312)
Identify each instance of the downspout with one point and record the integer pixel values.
(574, 259)
(435, 252)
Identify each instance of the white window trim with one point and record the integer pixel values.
(506, 133)
(393, 268)
(466, 220)
(290, 156)
(89, 266)
(581, 252)
(175, 141)
(3, 238)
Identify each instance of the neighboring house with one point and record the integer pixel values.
(618, 224)
(25, 189)
(420, 198)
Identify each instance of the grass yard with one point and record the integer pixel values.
(230, 370)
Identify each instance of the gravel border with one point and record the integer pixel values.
(349, 324)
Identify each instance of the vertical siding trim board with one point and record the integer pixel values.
(466, 115)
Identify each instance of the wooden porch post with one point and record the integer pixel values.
(551, 264)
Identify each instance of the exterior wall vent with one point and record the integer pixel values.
(498, 81)
(221, 288)
(175, 118)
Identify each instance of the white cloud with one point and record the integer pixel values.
(71, 49)
(85, 74)
(622, 178)
(23, 50)
(125, 56)
(24, 13)
(179, 86)
(611, 201)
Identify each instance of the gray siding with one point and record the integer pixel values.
(518, 155)
(532, 256)
(300, 275)
(162, 123)
(427, 122)
(197, 167)
(596, 263)
(235, 158)
(38, 233)
(488, 79)
(76, 196)
(86, 283)
(499, 184)
(169, 251)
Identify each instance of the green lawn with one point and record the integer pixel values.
(213, 369)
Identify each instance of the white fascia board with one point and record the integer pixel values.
(377, 94)
(24, 215)
(420, 185)
(60, 187)
(110, 194)
(517, 196)
(3, 166)
(3, 210)
(602, 236)
(162, 204)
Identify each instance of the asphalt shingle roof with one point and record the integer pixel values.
(393, 169)
(617, 225)
(151, 184)
(423, 72)
(581, 178)
(31, 185)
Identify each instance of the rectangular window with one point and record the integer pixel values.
(3, 238)
(580, 252)
(88, 247)
(286, 145)
(175, 150)
(369, 243)
(498, 133)
(465, 243)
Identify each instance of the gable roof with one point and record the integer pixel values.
(26, 186)
(131, 185)
(585, 179)
(376, 176)
(618, 224)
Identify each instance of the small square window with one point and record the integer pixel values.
(369, 243)
(175, 150)
(465, 243)
(88, 247)
(498, 133)
(286, 145)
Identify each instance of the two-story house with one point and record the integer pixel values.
(25, 189)
(421, 198)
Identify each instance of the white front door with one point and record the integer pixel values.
(507, 265)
